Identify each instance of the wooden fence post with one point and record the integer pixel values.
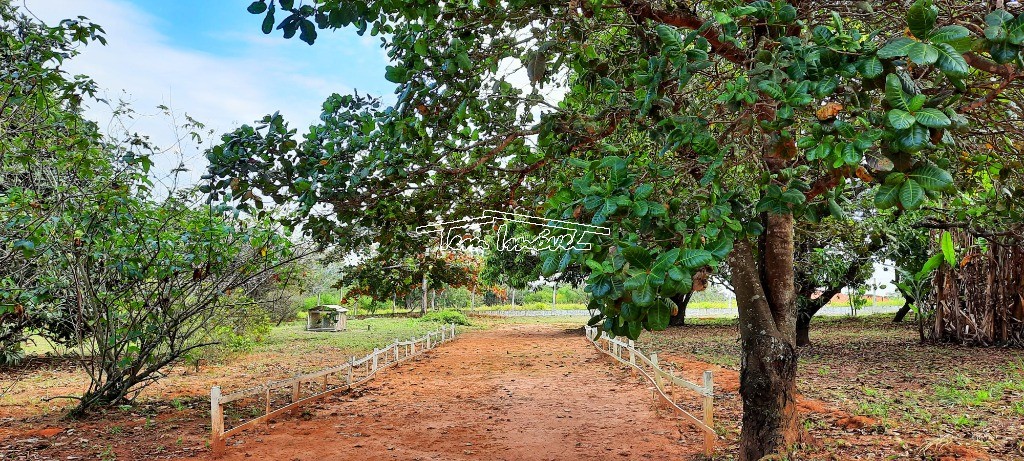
(295, 395)
(267, 411)
(375, 359)
(657, 371)
(632, 354)
(709, 419)
(396, 350)
(216, 422)
(348, 376)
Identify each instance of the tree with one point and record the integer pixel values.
(49, 162)
(382, 278)
(149, 278)
(764, 113)
(832, 254)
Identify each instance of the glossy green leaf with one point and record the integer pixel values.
(887, 196)
(894, 94)
(932, 118)
(871, 67)
(950, 61)
(921, 18)
(923, 54)
(911, 194)
(897, 47)
(257, 7)
(900, 119)
(695, 258)
(659, 315)
(948, 251)
(931, 177)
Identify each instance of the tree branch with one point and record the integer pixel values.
(684, 18)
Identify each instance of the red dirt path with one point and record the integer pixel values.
(515, 393)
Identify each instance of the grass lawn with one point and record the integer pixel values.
(914, 399)
(286, 351)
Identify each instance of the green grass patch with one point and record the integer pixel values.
(445, 317)
(362, 336)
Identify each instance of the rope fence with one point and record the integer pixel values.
(310, 387)
(648, 366)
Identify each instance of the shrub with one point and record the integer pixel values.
(446, 316)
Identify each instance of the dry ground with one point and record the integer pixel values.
(539, 391)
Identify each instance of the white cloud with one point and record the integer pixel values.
(220, 91)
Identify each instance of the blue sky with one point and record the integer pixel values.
(210, 60)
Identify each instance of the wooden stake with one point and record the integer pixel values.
(709, 418)
(657, 371)
(216, 422)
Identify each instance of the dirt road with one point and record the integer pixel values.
(513, 393)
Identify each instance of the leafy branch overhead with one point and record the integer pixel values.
(679, 128)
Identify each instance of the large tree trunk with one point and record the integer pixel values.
(765, 295)
(908, 300)
(902, 313)
(679, 319)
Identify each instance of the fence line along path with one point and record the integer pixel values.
(318, 384)
(649, 368)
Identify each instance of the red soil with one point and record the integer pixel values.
(517, 393)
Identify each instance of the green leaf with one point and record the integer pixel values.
(268, 22)
(1015, 30)
(850, 156)
(787, 13)
(929, 265)
(643, 191)
(695, 258)
(257, 7)
(645, 295)
(921, 18)
(894, 93)
(923, 54)
(835, 210)
(677, 274)
(916, 102)
(27, 247)
(931, 177)
(637, 257)
(956, 36)
(911, 194)
(950, 61)
(721, 248)
(772, 89)
(900, 119)
(662, 264)
(641, 208)
(871, 67)
(946, 34)
(633, 330)
(932, 118)
(658, 316)
(946, 243)
(896, 48)
(550, 265)
(912, 140)
(887, 196)
(998, 18)
(395, 74)
(308, 31)
(1003, 53)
